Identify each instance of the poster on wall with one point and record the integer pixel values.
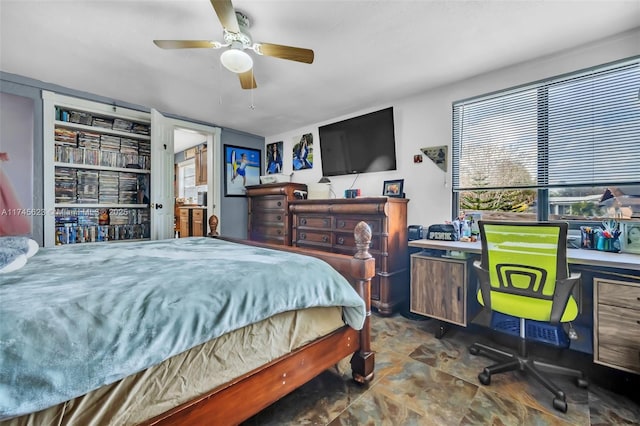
(241, 168)
(303, 152)
(16, 165)
(437, 154)
(274, 158)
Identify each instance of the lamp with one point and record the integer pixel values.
(236, 60)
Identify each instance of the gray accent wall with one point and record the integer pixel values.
(234, 220)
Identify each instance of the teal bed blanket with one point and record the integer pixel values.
(75, 318)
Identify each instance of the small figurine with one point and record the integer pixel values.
(213, 226)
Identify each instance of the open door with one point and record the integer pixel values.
(162, 175)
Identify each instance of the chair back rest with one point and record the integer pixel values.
(524, 258)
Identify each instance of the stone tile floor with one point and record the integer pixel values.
(422, 380)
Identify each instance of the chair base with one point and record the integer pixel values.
(510, 361)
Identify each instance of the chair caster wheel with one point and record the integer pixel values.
(560, 405)
(484, 378)
(583, 383)
(473, 350)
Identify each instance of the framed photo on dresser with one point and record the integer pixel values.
(393, 188)
(630, 237)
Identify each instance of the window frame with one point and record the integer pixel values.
(542, 186)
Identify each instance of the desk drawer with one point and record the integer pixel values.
(619, 337)
(618, 293)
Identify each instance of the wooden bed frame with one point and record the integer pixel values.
(236, 401)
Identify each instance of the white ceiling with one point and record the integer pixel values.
(367, 53)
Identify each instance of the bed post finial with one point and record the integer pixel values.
(213, 225)
(362, 234)
(363, 268)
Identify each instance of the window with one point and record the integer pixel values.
(187, 181)
(568, 147)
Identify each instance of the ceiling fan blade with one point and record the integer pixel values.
(226, 15)
(247, 81)
(187, 44)
(286, 52)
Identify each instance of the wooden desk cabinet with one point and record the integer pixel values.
(439, 288)
(192, 222)
(269, 219)
(327, 225)
(616, 324)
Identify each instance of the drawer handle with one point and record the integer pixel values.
(341, 224)
(279, 231)
(341, 240)
(279, 203)
(303, 236)
(279, 217)
(326, 222)
(303, 221)
(325, 238)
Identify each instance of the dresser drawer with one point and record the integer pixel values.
(349, 241)
(314, 237)
(349, 223)
(267, 230)
(618, 337)
(618, 293)
(197, 214)
(272, 217)
(269, 202)
(322, 222)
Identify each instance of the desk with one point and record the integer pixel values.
(605, 259)
(609, 296)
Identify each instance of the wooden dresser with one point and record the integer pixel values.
(327, 225)
(192, 221)
(269, 219)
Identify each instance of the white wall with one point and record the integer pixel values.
(425, 120)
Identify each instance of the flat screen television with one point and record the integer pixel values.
(359, 145)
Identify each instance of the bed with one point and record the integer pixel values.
(185, 349)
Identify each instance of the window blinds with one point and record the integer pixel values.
(581, 129)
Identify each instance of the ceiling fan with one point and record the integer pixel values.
(237, 39)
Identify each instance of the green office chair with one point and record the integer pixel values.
(523, 272)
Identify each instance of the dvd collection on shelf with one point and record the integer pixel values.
(105, 122)
(85, 182)
(110, 151)
(84, 225)
(79, 186)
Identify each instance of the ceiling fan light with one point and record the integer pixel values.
(236, 60)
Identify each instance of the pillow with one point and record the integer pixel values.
(11, 260)
(14, 252)
(25, 245)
